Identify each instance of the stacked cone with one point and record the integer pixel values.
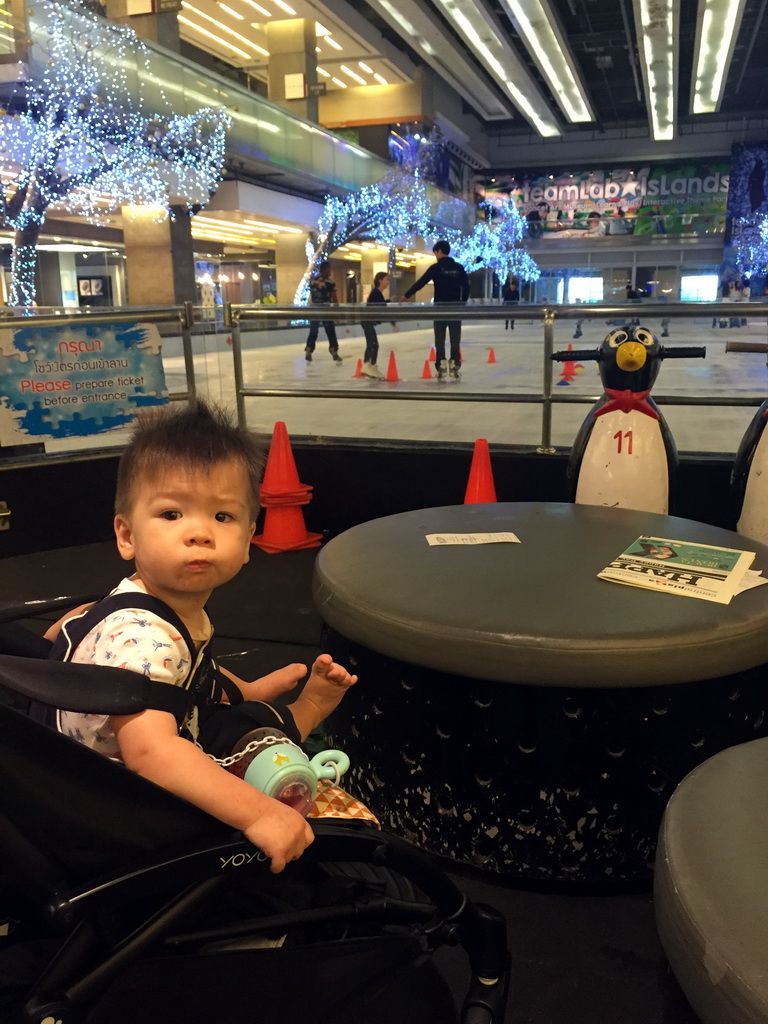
(569, 371)
(480, 486)
(282, 495)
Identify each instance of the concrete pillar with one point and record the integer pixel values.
(161, 27)
(290, 266)
(291, 46)
(373, 262)
(159, 257)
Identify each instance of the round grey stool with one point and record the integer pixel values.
(711, 886)
(516, 713)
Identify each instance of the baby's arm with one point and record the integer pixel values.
(150, 746)
(322, 693)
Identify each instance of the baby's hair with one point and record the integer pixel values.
(190, 437)
(379, 278)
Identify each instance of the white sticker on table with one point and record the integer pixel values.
(447, 539)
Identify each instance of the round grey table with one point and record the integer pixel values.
(516, 713)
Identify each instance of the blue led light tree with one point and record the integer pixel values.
(750, 237)
(398, 209)
(79, 135)
(496, 242)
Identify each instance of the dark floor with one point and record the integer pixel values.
(575, 959)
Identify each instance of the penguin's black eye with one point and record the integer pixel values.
(617, 338)
(644, 337)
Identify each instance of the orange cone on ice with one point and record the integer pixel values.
(568, 373)
(491, 356)
(392, 368)
(480, 487)
(358, 369)
(426, 373)
(432, 355)
(281, 484)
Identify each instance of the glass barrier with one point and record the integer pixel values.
(252, 360)
(509, 391)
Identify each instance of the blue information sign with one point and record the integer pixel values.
(77, 380)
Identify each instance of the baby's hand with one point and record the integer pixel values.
(281, 833)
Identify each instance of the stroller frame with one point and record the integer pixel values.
(128, 881)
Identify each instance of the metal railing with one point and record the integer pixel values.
(239, 316)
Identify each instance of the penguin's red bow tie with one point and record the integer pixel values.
(627, 401)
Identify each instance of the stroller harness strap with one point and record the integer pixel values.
(203, 683)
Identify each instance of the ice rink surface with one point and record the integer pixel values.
(368, 410)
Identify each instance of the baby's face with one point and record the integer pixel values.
(188, 531)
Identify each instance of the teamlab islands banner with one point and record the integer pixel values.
(664, 199)
(74, 381)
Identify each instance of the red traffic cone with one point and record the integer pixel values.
(392, 368)
(284, 530)
(426, 373)
(281, 484)
(432, 355)
(358, 369)
(480, 486)
(568, 374)
(491, 356)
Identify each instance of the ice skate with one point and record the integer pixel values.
(454, 370)
(371, 370)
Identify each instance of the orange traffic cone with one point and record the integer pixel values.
(480, 486)
(426, 373)
(491, 356)
(432, 355)
(281, 484)
(284, 530)
(359, 369)
(568, 374)
(392, 368)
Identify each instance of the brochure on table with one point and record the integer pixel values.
(683, 568)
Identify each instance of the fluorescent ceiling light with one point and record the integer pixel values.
(483, 34)
(210, 35)
(338, 81)
(332, 42)
(259, 8)
(321, 30)
(364, 67)
(286, 7)
(224, 28)
(231, 12)
(381, 80)
(353, 75)
(536, 22)
(717, 26)
(274, 227)
(656, 22)
(324, 73)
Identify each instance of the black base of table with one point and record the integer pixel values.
(543, 784)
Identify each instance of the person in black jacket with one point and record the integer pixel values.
(451, 285)
(375, 298)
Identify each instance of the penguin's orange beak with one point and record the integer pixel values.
(631, 356)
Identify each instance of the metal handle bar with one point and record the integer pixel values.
(574, 356)
(694, 352)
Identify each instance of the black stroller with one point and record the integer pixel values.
(121, 903)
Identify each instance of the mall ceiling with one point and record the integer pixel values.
(547, 67)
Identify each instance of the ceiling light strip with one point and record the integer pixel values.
(717, 27)
(483, 34)
(224, 28)
(537, 24)
(210, 35)
(657, 25)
